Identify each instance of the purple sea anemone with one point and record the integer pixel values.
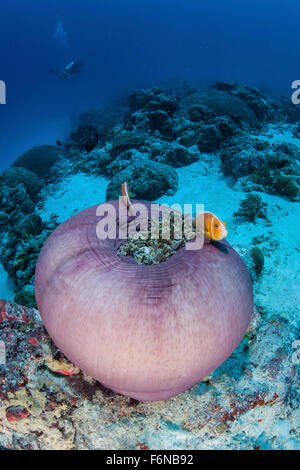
(146, 331)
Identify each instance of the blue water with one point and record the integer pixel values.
(131, 44)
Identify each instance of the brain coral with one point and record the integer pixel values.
(224, 104)
(39, 159)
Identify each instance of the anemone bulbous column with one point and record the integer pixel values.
(146, 331)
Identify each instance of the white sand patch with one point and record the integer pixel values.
(279, 133)
(212, 190)
(7, 287)
(75, 193)
(278, 289)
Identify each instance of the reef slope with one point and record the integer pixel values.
(250, 402)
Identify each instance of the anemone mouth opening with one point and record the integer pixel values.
(162, 238)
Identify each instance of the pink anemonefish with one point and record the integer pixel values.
(214, 229)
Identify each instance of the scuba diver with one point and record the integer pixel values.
(72, 68)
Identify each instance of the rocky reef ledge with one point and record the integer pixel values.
(250, 402)
(149, 140)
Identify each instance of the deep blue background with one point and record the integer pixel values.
(133, 43)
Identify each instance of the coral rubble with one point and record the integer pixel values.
(250, 402)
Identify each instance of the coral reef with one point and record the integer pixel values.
(39, 159)
(85, 137)
(177, 127)
(22, 229)
(124, 140)
(287, 111)
(252, 96)
(15, 201)
(154, 99)
(14, 176)
(273, 169)
(178, 156)
(143, 142)
(252, 207)
(249, 402)
(47, 403)
(19, 255)
(258, 259)
(225, 104)
(279, 172)
(148, 180)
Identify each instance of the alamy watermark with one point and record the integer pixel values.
(296, 94)
(134, 222)
(2, 353)
(2, 92)
(296, 354)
